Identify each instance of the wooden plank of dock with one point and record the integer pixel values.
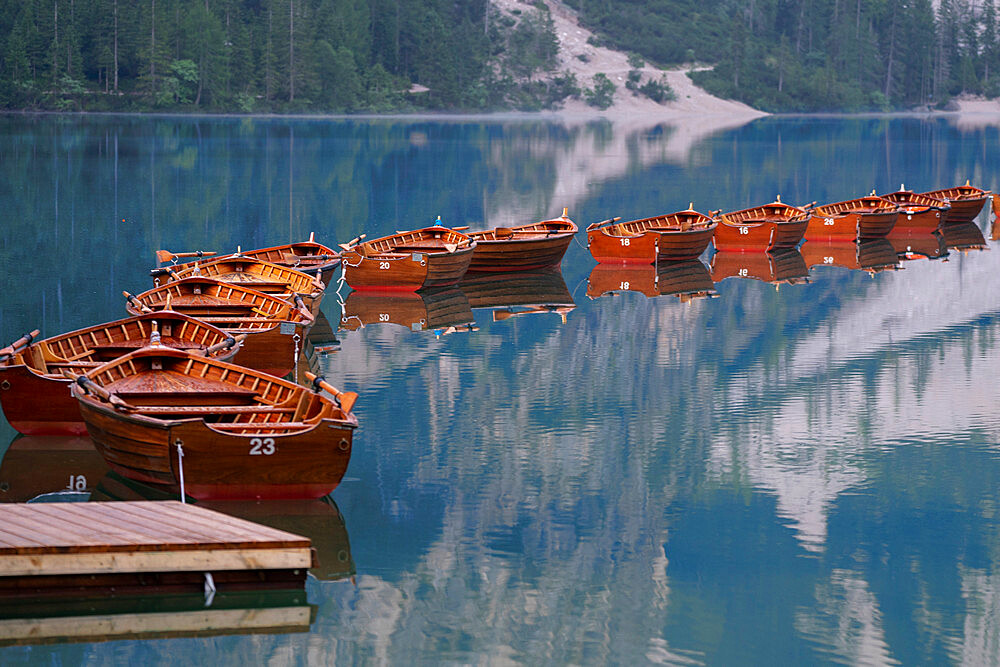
(113, 538)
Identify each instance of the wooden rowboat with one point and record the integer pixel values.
(859, 219)
(408, 261)
(966, 201)
(917, 213)
(418, 311)
(274, 327)
(773, 226)
(686, 280)
(871, 256)
(534, 246)
(34, 393)
(273, 279)
(679, 236)
(779, 267)
(217, 430)
(306, 256)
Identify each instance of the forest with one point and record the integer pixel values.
(380, 56)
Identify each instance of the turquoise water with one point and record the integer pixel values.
(794, 471)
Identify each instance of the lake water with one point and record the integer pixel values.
(801, 468)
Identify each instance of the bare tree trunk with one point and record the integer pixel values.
(892, 48)
(201, 67)
(55, 41)
(267, 60)
(116, 47)
(291, 50)
(152, 47)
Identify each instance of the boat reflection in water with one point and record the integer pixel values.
(319, 342)
(319, 519)
(56, 467)
(871, 256)
(686, 280)
(443, 310)
(963, 236)
(521, 293)
(776, 267)
(919, 245)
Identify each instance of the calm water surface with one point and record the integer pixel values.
(792, 472)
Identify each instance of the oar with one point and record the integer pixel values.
(142, 308)
(92, 387)
(350, 244)
(594, 225)
(165, 270)
(18, 345)
(306, 313)
(227, 344)
(345, 399)
(167, 256)
(291, 256)
(459, 229)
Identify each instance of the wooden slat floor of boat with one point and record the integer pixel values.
(114, 537)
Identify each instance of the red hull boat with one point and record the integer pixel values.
(215, 429)
(306, 256)
(274, 328)
(771, 227)
(408, 261)
(966, 201)
(917, 213)
(535, 246)
(675, 237)
(34, 392)
(859, 219)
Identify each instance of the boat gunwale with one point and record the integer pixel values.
(755, 216)
(293, 389)
(841, 209)
(220, 333)
(279, 309)
(294, 279)
(387, 245)
(614, 229)
(569, 229)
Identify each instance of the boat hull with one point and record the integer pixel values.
(406, 272)
(758, 237)
(850, 226)
(36, 404)
(519, 254)
(220, 466)
(922, 221)
(965, 210)
(273, 350)
(650, 246)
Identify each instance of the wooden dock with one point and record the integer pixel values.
(136, 547)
